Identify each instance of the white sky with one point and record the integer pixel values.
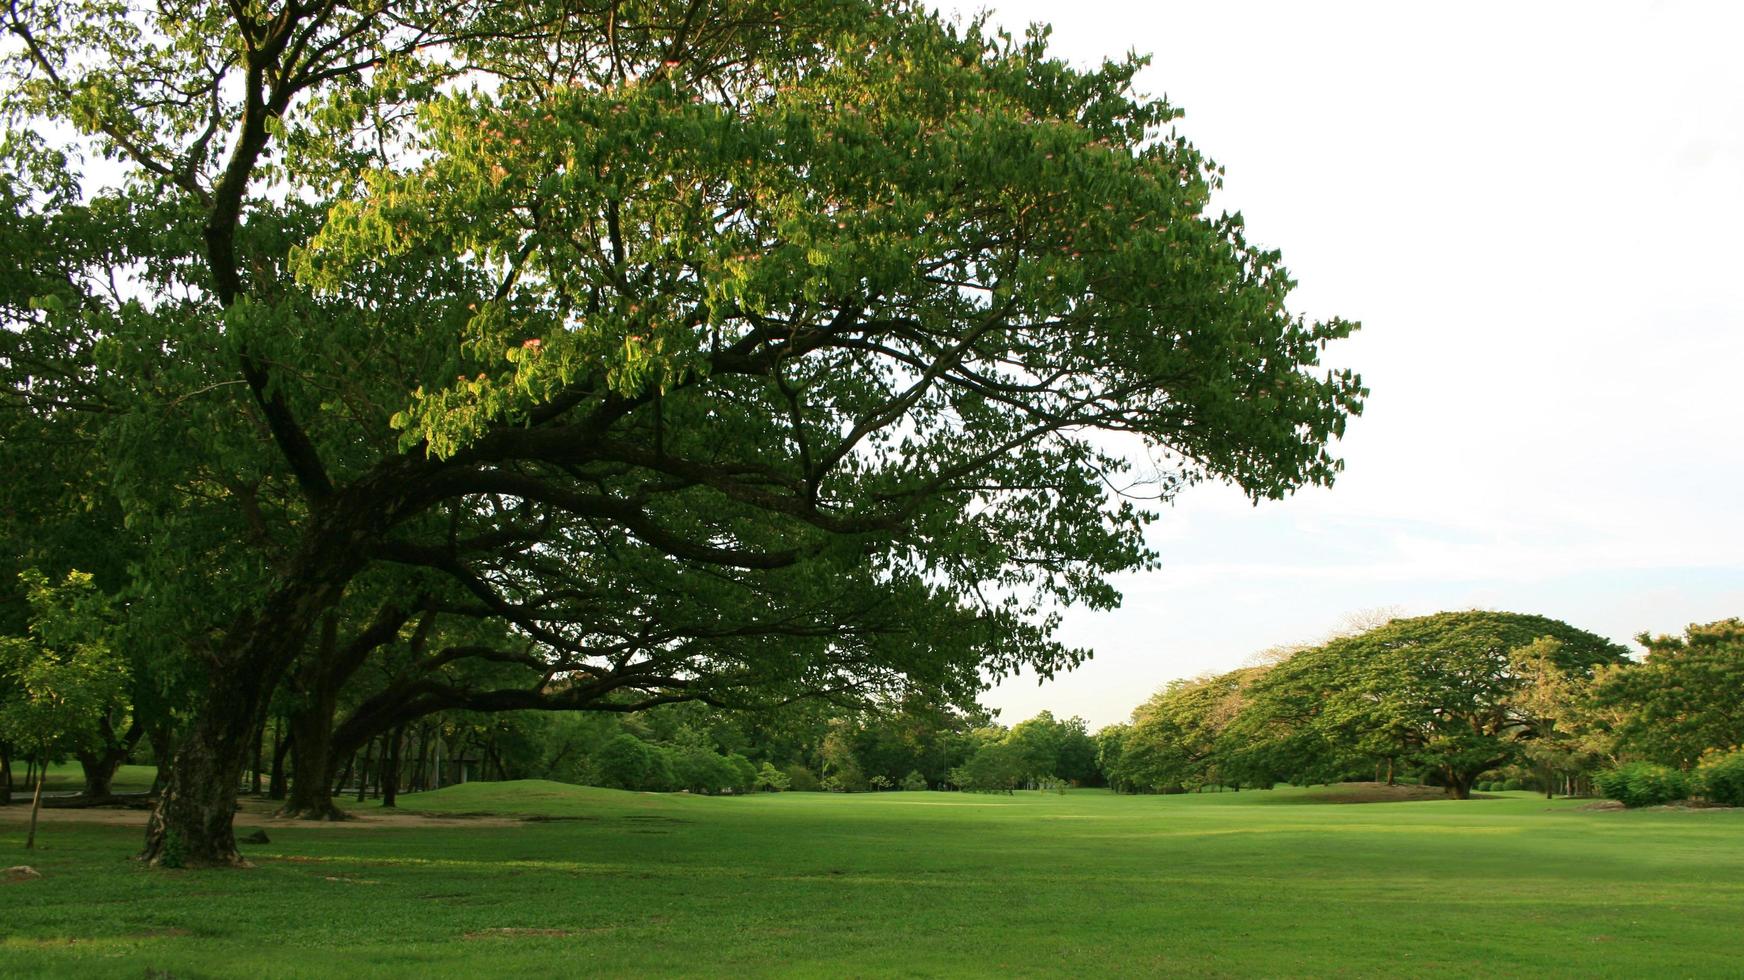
(1536, 211)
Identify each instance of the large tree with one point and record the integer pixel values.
(1451, 693)
(828, 301)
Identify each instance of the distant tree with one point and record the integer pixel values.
(627, 762)
(914, 782)
(62, 676)
(772, 779)
(1685, 699)
(995, 767)
(841, 768)
(1181, 737)
(1445, 692)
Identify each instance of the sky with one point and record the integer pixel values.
(1536, 211)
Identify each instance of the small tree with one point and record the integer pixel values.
(64, 675)
(914, 782)
(994, 768)
(772, 779)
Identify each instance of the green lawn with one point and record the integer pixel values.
(905, 884)
(67, 777)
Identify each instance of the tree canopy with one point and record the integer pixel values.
(1446, 692)
(656, 350)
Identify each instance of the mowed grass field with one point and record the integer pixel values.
(910, 884)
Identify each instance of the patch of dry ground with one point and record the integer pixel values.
(1379, 793)
(260, 813)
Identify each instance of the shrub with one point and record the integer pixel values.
(914, 781)
(1723, 779)
(1642, 784)
(1484, 786)
(1512, 785)
(772, 779)
(802, 780)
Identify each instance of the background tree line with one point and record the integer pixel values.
(1451, 700)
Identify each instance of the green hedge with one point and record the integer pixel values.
(1643, 784)
(1723, 779)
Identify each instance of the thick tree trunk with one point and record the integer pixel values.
(163, 755)
(99, 774)
(311, 791)
(1459, 785)
(99, 764)
(5, 775)
(281, 746)
(191, 826)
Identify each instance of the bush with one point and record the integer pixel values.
(914, 781)
(771, 779)
(1512, 786)
(1484, 786)
(1723, 779)
(1642, 784)
(801, 779)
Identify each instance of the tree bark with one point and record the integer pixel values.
(5, 775)
(311, 790)
(390, 781)
(281, 746)
(163, 754)
(99, 766)
(259, 737)
(36, 805)
(1459, 785)
(191, 826)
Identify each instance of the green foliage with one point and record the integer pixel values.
(64, 678)
(1446, 692)
(781, 353)
(914, 782)
(995, 767)
(1685, 699)
(772, 780)
(627, 762)
(1722, 779)
(1643, 784)
(802, 780)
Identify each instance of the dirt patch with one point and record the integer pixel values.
(260, 813)
(1378, 793)
(22, 872)
(517, 932)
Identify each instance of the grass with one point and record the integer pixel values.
(67, 777)
(913, 884)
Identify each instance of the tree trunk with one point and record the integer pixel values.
(311, 792)
(99, 774)
(5, 775)
(1389, 771)
(163, 755)
(259, 737)
(36, 805)
(275, 789)
(191, 826)
(363, 775)
(99, 764)
(1459, 785)
(390, 778)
